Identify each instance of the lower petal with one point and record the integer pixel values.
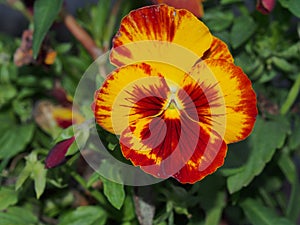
(207, 158)
(173, 147)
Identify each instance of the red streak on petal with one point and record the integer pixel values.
(64, 123)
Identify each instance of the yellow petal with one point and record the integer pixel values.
(146, 34)
(232, 101)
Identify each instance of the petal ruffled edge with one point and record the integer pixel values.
(218, 50)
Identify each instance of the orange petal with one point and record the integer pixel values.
(232, 101)
(144, 35)
(218, 50)
(194, 6)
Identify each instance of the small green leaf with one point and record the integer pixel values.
(261, 215)
(283, 65)
(39, 177)
(15, 139)
(242, 29)
(267, 136)
(87, 215)
(45, 12)
(114, 192)
(7, 197)
(288, 167)
(36, 171)
(7, 92)
(24, 175)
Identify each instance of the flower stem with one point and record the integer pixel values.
(81, 35)
(292, 95)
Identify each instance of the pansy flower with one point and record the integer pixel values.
(177, 99)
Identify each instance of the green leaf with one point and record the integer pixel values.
(292, 5)
(45, 12)
(213, 215)
(7, 197)
(17, 216)
(39, 177)
(284, 65)
(218, 20)
(267, 136)
(242, 29)
(7, 93)
(87, 215)
(289, 169)
(293, 207)
(261, 215)
(15, 139)
(114, 192)
(24, 175)
(128, 212)
(225, 2)
(36, 171)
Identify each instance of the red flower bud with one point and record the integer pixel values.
(265, 6)
(57, 154)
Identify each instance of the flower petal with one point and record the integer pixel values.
(65, 117)
(228, 90)
(207, 158)
(142, 29)
(218, 50)
(194, 6)
(173, 147)
(160, 145)
(133, 92)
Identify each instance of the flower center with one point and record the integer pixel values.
(172, 107)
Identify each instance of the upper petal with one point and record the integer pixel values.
(159, 23)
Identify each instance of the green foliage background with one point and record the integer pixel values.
(259, 183)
